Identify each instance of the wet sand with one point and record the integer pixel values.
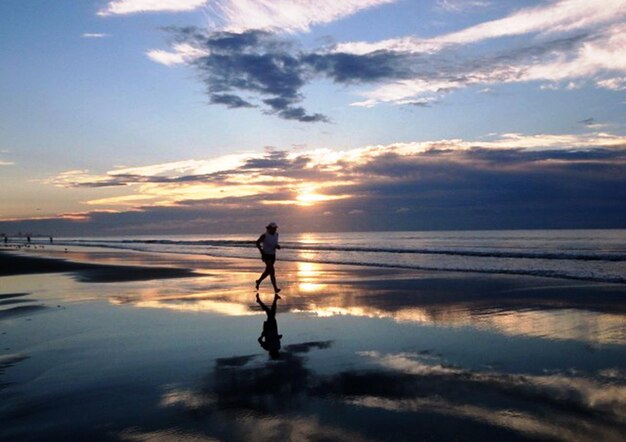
(17, 264)
(109, 345)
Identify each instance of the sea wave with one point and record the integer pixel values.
(518, 264)
(488, 253)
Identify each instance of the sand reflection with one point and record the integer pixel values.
(448, 401)
(510, 305)
(570, 403)
(211, 294)
(308, 275)
(591, 327)
(314, 290)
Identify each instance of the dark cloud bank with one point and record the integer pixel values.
(436, 190)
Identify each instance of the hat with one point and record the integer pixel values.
(272, 224)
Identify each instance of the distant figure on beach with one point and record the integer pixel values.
(6, 239)
(50, 240)
(270, 339)
(267, 245)
(28, 239)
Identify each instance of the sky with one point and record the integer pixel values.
(129, 117)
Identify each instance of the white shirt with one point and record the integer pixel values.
(269, 243)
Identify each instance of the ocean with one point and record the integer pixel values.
(592, 255)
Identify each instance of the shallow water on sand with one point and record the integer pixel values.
(591, 255)
(367, 354)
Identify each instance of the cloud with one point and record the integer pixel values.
(5, 163)
(557, 17)
(574, 43)
(550, 141)
(94, 35)
(182, 53)
(229, 100)
(304, 170)
(124, 7)
(507, 180)
(254, 62)
(591, 123)
(615, 83)
(176, 171)
(282, 15)
(260, 64)
(579, 58)
(461, 5)
(244, 15)
(279, 177)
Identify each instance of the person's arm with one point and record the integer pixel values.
(277, 244)
(259, 241)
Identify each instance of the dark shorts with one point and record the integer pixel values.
(268, 259)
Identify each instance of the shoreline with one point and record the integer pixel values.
(419, 288)
(12, 264)
(548, 274)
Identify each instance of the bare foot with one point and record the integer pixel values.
(257, 283)
(276, 291)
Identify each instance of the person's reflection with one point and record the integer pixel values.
(270, 339)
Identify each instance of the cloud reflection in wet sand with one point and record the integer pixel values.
(248, 396)
(251, 427)
(591, 327)
(252, 393)
(554, 406)
(567, 324)
(321, 291)
(594, 394)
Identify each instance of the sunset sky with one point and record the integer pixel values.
(126, 117)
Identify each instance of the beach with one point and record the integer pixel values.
(313, 220)
(110, 344)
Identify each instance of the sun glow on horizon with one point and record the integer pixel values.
(308, 196)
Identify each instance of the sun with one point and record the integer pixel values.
(308, 196)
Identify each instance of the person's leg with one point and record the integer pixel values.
(264, 275)
(273, 279)
(263, 306)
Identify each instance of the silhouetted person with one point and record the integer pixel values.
(267, 245)
(50, 240)
(6, 239)
(270, 339)
(28, 239)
